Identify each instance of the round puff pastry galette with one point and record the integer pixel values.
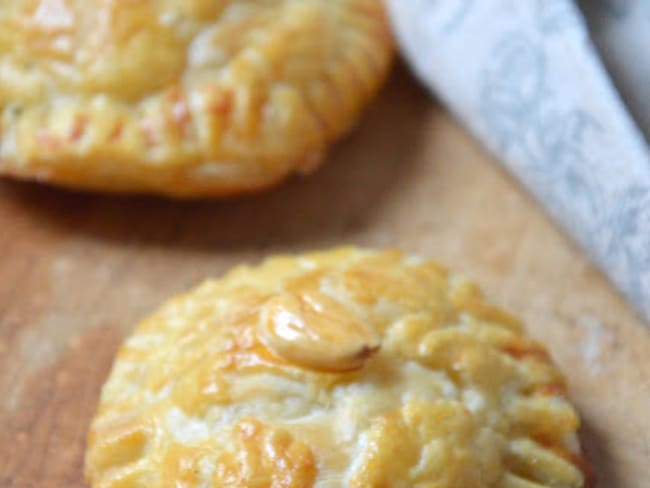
(182, 97)
(346, 368)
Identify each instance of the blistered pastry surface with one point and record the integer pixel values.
(340, 368)
(197, 97)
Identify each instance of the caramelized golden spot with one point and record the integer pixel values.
(199, 389)
(265, 457)
(426, 444)
(185, 465)
(315, 331)
(83, 50)
(120, 441)
(468, 298)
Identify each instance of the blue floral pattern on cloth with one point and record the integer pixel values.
(526, 78)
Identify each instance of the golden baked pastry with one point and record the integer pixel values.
(182, 97)
(343, 368)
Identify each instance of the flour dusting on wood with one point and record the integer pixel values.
(595, 339)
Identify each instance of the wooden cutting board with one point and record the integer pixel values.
(76, 272)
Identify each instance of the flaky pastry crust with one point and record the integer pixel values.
(184, 98)
(342, 368)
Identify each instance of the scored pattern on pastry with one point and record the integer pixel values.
(196, 97)
(340, 368)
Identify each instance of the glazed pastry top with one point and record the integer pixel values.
(124, 94)
(342, 368)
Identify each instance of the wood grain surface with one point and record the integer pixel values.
(77, 271)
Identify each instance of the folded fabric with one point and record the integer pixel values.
(531, 81)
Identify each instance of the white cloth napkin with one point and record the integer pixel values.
(560, 92)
